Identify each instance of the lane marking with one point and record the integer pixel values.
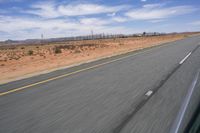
(149, 93)
(75, 72)
(185, 58)
(85, 69)
(181, 114)
(144, 100)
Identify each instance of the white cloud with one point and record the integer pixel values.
(153, 5)
(196, 23)
(87, 9)
(143, 0)
(120, 19)
(24, 28)
(94, 21)
(157, 20)
(157, 11)
(47, 10)
(111, 14)
(56, 20)
(52, 10)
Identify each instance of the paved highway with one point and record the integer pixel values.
(136, 92)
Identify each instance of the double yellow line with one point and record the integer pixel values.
(71, 73)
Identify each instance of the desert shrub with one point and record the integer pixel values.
(121, 44)
(57, 50)
(22, 48)
(68, 47)
(12, 48)
(77, 51)
(88, 45)
(17, 58)
(30, 52)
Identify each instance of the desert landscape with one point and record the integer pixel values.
(29, 59)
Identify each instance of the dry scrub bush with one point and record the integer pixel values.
(30, 52)
(57, 50)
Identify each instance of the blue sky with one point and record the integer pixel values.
(28, 19)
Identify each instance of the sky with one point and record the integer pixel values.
(29, 19)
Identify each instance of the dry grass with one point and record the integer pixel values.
(20, 60)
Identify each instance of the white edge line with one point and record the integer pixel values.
(184, 106)
(183, 60)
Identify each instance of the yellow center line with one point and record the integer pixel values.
(71, 73)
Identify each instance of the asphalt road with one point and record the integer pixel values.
(105, 96)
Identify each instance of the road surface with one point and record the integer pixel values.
(137, 92)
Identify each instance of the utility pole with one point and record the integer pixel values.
(42, 37)
(92, 34)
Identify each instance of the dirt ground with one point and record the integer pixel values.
(21, 60)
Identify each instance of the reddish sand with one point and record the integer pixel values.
(20, 61)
